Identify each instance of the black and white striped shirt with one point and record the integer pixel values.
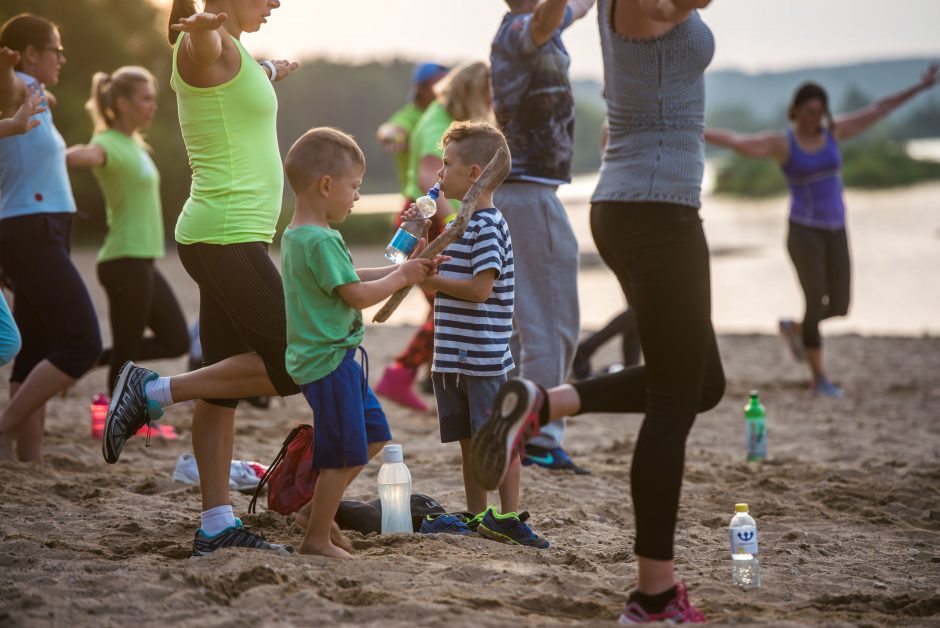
(473, 338)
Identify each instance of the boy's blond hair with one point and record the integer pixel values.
(320, 152)
(476, 143)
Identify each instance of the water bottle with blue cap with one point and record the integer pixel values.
(411, 231)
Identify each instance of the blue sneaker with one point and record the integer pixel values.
(510, 528)
(556, 458)
(444, 524)
(825, 388)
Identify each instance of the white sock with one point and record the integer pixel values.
(217, 519)
(159, 390)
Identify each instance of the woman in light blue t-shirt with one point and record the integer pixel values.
(55, 315)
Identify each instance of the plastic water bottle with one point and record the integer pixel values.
(395, 491)
(410, 231)
(99, 413)
(745, 568)
(755, 418)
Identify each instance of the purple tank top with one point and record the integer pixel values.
(815, 181)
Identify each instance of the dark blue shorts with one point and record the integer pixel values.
(347, 417)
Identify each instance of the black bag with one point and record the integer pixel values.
(366, 517)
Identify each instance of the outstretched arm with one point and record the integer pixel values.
(21, 122)
(363, 294)
(204, 44)
(851, 124)
(764, 145)
(11, 88)
(85, 156)
(548, 17)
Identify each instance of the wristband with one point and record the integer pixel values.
(270, 66)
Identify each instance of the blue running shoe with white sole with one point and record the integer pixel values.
(510, 528)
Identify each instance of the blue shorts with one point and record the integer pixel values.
(464, 403)
(347, 417)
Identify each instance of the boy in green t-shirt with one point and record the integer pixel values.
(324, 294)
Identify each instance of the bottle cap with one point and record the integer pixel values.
(753, 393)
(392, 454)
(435, 191)
(737, 507)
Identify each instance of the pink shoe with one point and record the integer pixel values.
(678, 611)
(163, 431)
(396, 385)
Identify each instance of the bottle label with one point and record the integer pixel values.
(756, 439)
(744, 540)
(404, 241)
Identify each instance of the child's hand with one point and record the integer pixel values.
(412, 214)
(416, 270)
(437, 261)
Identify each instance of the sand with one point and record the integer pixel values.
(848, 508)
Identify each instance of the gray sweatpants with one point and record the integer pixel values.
(546, 319)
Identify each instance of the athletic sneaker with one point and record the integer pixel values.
(473, 522)
(510, 528)
(825, 388)
(129, 410)
(791, 335)
(237, 535)
(677, 611)
(446, 523)
(556, 458)
(245, 475)
(514, 420)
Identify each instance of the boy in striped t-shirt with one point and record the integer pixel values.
(473, 324)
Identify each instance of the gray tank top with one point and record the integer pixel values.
(655, 92)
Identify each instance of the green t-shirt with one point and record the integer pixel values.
(321, 327)
(131, 186)
(230, 132)
(425, 140)
(406, 118)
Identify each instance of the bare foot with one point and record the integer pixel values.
(6, 448)
(339, 539)
(323, 550)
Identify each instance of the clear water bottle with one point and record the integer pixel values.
(407, 236)
(745, 568)
(395, 491)
(755, 418)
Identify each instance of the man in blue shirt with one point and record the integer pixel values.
(534, 107)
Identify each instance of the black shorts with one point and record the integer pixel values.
(241, 307)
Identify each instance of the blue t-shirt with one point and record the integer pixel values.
(473, 338)
(533, 100)
(33, 176)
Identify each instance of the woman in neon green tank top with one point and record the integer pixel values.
(139, 296)
(228, 111)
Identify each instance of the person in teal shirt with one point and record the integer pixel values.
(324, 294)
(139, 296)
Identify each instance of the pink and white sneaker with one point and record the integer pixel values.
(678, 611)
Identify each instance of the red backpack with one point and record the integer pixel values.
(291, 477)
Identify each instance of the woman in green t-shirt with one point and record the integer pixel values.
(139, 296)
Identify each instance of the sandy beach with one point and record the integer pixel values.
(848, 503)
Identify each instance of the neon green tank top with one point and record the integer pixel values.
(231, 137)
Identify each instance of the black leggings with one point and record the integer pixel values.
(659, 254)
(51, 306)
(241, 307)
(821, 259)
(140, 297)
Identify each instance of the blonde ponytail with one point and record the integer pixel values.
(106, 89)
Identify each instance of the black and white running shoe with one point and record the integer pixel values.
(129, 410)
(236, 536)
(514, 421)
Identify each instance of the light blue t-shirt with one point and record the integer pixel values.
(33, 175)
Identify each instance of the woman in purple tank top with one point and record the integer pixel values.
(808, 153)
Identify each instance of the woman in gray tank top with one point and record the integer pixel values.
(644, 217)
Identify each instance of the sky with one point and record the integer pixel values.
(751, 35)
